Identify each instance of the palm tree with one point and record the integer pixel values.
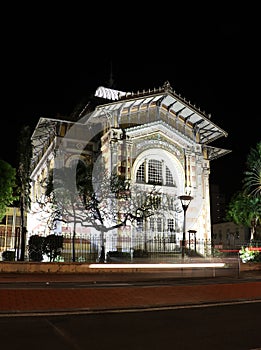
(7, 186)
(245, 210)
(245, 206)
(252, 179)
(24, 187)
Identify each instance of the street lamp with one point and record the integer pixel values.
(185, 201)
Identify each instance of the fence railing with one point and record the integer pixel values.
(88, 248)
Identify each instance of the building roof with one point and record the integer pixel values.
(166, 98)
(115, 100)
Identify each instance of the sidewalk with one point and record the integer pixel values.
(55, 293)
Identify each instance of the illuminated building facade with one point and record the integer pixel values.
(154, 139)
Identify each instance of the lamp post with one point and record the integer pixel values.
(185, 201)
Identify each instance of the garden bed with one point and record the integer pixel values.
(250, 266)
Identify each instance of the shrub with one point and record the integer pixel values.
(8, 255)
(140, 253)
(117, 255)
(35, 248)
(249, 255)
(52, 246)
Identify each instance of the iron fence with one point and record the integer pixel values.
(88, 248)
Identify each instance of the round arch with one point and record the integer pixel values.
(170, 161)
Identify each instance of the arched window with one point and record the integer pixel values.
(155, 172)
(169, 177)
(140, 176)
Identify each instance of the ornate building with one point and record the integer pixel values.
(154, 139)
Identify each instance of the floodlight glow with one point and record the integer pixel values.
(154, 266)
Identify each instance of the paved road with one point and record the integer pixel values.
(215, 327)
(69, 293)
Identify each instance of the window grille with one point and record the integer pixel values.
(159, 224)
(140, 174)
(155, 171)
(170, 225)
(169, 177)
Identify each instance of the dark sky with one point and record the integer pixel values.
(52, 60)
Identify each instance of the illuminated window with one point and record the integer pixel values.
(155, 172)
(170, 225)
(152, 226)
(140, 174)
(159, 224)
(169, 177)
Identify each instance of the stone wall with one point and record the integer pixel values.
(63, 268)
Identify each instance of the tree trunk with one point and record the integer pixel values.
(102, 253)
(23, 239)
(23, 234)
(73, 246)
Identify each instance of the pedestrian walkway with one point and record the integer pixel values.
(53, 293)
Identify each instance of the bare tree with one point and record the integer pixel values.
(99, 200)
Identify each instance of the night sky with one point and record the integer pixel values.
(51, 61)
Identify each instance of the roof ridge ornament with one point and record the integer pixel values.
(167, 86)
